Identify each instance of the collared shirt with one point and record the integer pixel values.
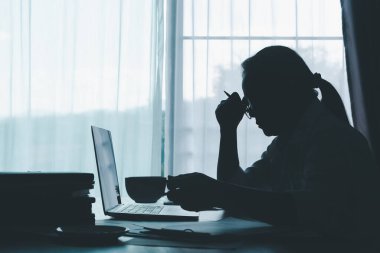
(328, 168)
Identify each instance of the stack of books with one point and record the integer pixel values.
(46, 199)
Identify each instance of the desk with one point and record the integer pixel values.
(260, 245)
(41, 245)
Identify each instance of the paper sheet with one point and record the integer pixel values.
(227, 227)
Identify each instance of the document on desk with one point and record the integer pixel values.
(227, 227)
(228, 233)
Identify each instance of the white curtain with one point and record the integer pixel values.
(210, 40)
(68, 64)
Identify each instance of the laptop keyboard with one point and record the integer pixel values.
(142, 209)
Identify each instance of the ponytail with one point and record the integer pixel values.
(330, 97)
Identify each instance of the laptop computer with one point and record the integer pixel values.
(110, 191)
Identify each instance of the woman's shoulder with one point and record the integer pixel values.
(336, 132)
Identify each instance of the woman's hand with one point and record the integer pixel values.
(194, 191)
(230, 112)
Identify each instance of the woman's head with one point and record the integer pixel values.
(279, 85)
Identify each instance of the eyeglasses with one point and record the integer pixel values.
(247, 108)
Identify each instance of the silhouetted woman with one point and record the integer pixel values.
(317, 173)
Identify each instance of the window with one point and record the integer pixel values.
(67, 65)
(216, 36)
(60, 72)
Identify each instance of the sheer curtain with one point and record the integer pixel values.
(66, 65)
(211, 38)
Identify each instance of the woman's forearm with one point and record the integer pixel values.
(228, 160)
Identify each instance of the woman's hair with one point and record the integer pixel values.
(281, 68)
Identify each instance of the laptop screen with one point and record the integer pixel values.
(105, 161)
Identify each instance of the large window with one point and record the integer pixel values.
(66, 65)
(216, 36)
